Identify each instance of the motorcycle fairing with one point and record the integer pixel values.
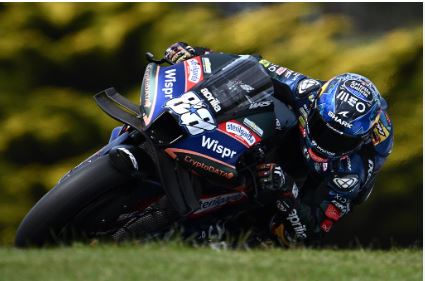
(148, 90)
(161, 84)
(239, 132)
(241, 88)
(213, 110)
(213, 203)
(203, 165)
(215, 144)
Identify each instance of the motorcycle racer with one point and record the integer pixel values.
(328, 164)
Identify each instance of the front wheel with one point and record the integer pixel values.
(45, 221)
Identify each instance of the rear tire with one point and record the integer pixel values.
(44, 222)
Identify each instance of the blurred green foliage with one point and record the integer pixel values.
(55, 56)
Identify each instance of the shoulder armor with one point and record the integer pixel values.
(345, 183)
(307, 86)
(348, 176)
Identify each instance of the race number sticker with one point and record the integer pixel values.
(193, 113)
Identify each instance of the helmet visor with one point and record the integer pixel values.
(329, 139)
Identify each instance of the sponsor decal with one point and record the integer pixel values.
(193, 114)
(380, 133)
(180, 153)
(333, 212)
(344, 208)
(273, 67)
(348, 163)
(233, 85)
(278, 126)
(281, 70)
(295, 76)
(240, 132)
(170, 79)
(215, 103)
(341, 199)
(217, 201)
(266, 63)
(289, 74)
(255, 105)
(253, 126)
(354, 86)
(333, 129)
(282, 206)
(343, 113)
(381, 129)
(339, 120)
(193, 72)
(247, 88)
(207, 65)
(342, 204)
(131, 157)
(299, 228)
(295, 190)
(208, 168)
(321, 150)
(316, 157)
(214, 145)
(324, 167)
(147, 87)
(371, 165)
(326, 225)
(346, 183)
(352, 101)
(307, 85)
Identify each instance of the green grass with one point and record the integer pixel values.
(176, 262)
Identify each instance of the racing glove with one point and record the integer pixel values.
(179, 52)
(290, 225)
(271, 177)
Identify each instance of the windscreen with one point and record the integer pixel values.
(241, 85)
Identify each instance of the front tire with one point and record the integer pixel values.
(44, 222)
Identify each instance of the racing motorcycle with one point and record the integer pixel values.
(187, 152)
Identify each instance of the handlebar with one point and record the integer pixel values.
(151, 58)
